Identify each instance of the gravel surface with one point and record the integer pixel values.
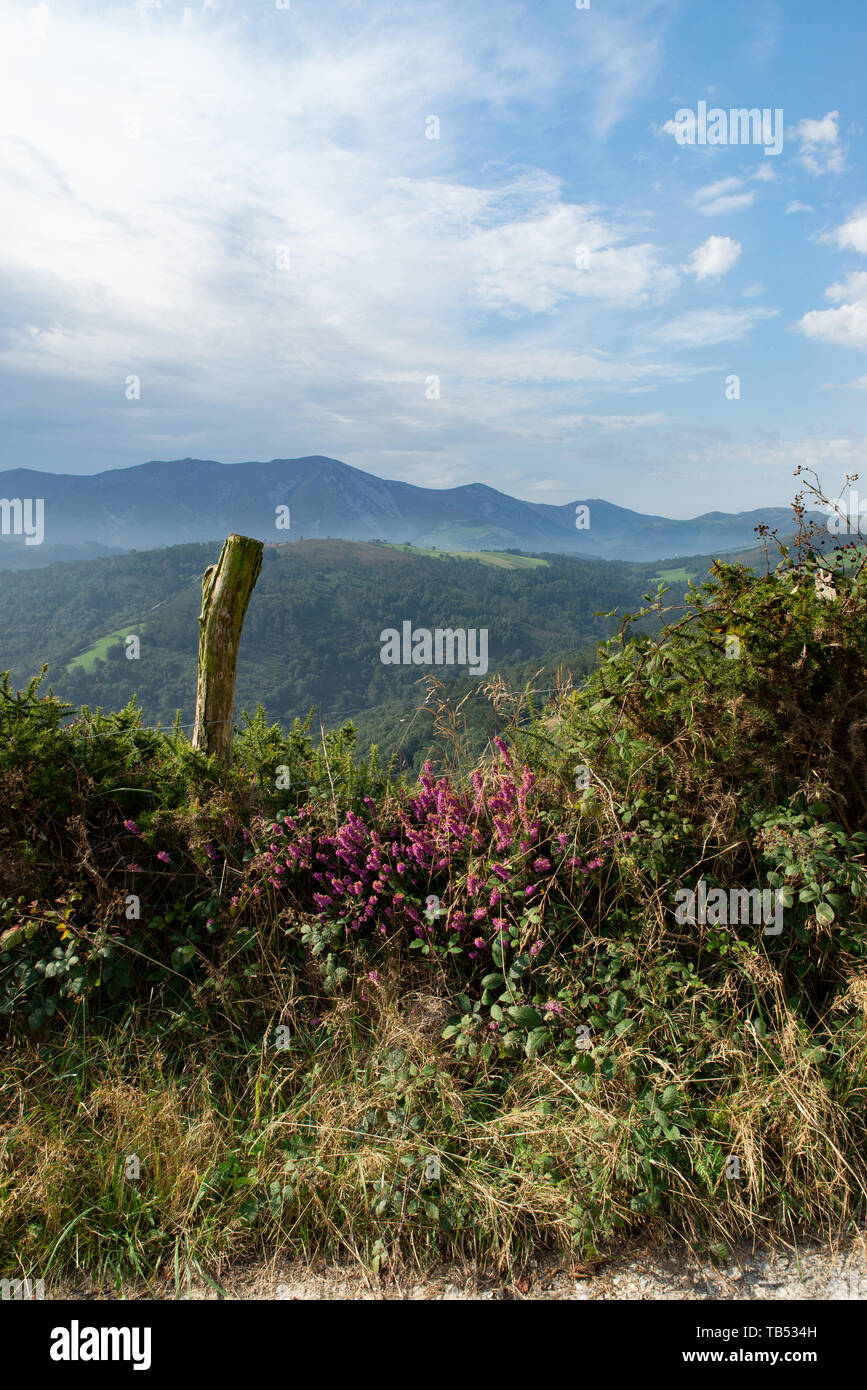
(807, 1272)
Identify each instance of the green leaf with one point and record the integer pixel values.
(536, 1040)
(525, 1017)
(825, 913)
(616, 1003)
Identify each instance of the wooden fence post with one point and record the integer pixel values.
(226, 590)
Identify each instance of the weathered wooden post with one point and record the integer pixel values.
(226, 590)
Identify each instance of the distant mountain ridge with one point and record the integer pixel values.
(169, 503)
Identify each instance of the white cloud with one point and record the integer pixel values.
(715, 257)
(724, 196)
(565, 251)
(846, 325)
(795, 206)
(157, 176)
(820, 151)
(854, 232)
(705, 327)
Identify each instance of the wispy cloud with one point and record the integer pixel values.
(724, 196)
(706, 327)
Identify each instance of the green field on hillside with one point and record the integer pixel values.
(677, 575)
(98, 650)
(498, 559)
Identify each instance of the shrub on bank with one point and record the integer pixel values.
(514, 930)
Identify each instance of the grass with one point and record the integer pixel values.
(677, 575)
(495, 558)
(98, 650)
(325, 1147)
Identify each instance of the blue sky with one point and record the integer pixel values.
(241, 206)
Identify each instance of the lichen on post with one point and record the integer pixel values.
(226, 591)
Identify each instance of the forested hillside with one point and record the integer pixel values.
(312, 633)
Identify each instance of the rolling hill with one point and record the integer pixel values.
(312, 632)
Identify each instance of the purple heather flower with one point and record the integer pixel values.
(541, 865)
(165, 858)
(131, 826)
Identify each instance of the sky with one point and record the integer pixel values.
(445, 241)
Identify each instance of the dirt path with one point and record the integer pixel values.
(809, 1272)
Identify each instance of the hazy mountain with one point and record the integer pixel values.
(170, 503)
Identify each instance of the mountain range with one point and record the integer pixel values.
(187, 500)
